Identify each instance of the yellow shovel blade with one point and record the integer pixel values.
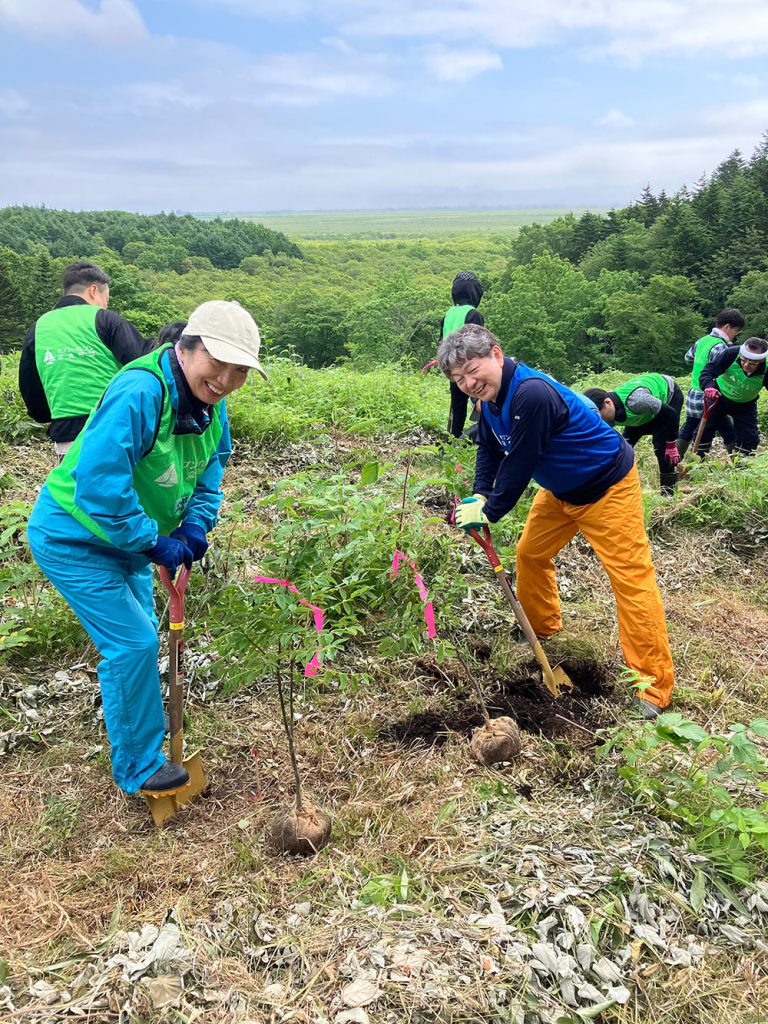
(557, 680)
(165, 806)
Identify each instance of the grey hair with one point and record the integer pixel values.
(470, 342)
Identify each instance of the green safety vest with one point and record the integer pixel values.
(454, 319)
(73, 362)
(655, 383)
(701, 356)
(737, 386)
(165, 477)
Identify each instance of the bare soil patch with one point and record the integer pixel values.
(575, 716)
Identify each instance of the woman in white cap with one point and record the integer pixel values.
(733, 381)
(141, 484)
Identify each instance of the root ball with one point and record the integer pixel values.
(304, 832)
(498, 740)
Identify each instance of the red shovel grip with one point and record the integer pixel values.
(710, 405)
(487, 546)
(176, 591)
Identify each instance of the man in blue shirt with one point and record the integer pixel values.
(534, 428)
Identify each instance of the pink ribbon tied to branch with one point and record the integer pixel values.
(429, 611)
(318, 616)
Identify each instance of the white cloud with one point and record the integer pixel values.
(750, 118)
(460, 65)
(336, 43)
(309, 79)
(615, 118)
(144, 96)
(746, 81)
(12, 103)
(627, 30)
(114, 21)
(155, 167)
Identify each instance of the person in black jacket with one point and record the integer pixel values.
(71, 353)
(733, 381)
(466, 293)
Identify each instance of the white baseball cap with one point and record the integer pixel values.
(229, 332)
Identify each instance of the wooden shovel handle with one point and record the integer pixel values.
(519, 612)
(176, 592)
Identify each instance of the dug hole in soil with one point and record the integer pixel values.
(525, 699)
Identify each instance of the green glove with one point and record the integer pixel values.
(470, 513)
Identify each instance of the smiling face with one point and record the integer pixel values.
(480, 376)
(209, 379)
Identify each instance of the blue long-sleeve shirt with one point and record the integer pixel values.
(121, 432)
(539, 415)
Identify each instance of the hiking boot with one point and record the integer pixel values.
(169, 778)
(668, 483)
(645, 709)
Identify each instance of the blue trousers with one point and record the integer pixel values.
(110, 592)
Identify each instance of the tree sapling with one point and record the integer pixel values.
(498, 739)
(302, 828)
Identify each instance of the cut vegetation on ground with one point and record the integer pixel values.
(613, 871)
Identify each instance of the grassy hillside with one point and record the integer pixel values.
(613, 872)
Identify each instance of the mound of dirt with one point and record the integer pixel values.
(576, 715)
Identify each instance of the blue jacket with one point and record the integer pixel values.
(121, 432)
(539, 429)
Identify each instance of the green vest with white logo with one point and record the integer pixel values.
(165, 478)
(737, 386)
(701, 357)
(655, 383)
(73, 362)
(454, 319)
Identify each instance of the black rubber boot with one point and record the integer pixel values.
(169, 778)
(644, 709)
(668, 482)
(682, 446)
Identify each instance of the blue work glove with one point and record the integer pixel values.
(171, 553)
(194, 537)
(469, 513)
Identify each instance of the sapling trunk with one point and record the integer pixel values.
(288, 726)
(497, 739)
(303, 828)
(472, 678)
(405, 491)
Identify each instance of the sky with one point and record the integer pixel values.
(256, 105)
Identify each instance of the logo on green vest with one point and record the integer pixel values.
(49, 357)
(169, 478)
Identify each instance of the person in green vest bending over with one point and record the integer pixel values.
(141, 484)
(727, 327)
(71, 353)
(733, 382)
(466, 292)
(648, 404)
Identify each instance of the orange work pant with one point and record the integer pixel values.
(615, 530)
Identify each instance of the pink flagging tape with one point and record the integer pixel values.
(428, 366)
(429, 611)
(318, 616)
(460, 469)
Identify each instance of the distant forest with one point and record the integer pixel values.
(628, 290)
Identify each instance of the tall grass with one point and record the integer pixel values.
(299, 402)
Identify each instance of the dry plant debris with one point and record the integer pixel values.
(444, 896)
